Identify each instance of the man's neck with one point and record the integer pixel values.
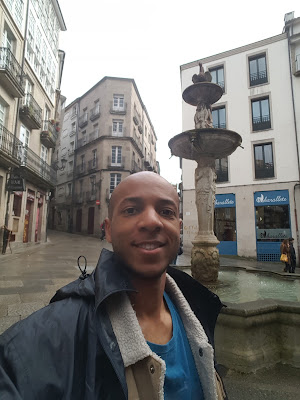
(151, 311)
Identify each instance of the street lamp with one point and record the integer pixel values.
(63, 165)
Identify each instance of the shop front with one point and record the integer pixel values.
(225, 223)
(273, 224)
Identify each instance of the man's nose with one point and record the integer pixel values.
(150, 220)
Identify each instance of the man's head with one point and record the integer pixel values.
(143, 223)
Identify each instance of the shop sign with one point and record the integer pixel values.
(225, 200)
(271, 198)
(16, 183)
(271, 234)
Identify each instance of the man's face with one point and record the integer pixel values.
(144, 226)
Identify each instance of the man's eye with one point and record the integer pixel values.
(168, 213)
(130, 211)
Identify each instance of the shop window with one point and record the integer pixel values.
(258, 70)
(225, 224)
(263, 158)
(272, 223)
(17, 205)
(261, 119)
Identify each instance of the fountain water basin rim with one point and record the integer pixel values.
(209, 143)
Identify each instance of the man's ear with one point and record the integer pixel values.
(108, 230)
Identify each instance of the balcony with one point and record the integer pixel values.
(94, 135)
(83, 120)
(264, 170)
(92, 164)
(135, 120)
(10, 73)
(118, 132)
(140, 129)
(112, 164)
(135, 167)
(73, 132)
(80, 169)
(90, 196)
(297, 65)
(95, 112)
(78, 198)
(34, 165)
(30, 112)
(118, 109)
(71, 152)
(258, 78)
(9, 146)
(261, 123)
(49, 134)
(148, 164)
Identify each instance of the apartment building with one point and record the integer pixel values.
(30, 75)
(258, 198)
(106, 135)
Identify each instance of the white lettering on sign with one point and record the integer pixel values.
(265, 199)
(224, 202)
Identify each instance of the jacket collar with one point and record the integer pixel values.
(110, 277)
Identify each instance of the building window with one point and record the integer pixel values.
(263, 158)
(117, 129)
(93, 185)
(116, 155)
(219, 117)
(17, 205)
(217, 75)
(261, 119)
(2, 113)
(222, 169)
(115, 179)
(118, 103)
(69, 194)
(258, 70)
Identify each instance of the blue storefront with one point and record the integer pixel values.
(225, 223)
(273, 223)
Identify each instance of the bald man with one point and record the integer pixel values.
(134, 329)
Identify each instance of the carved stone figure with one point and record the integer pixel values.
(202, 76)
(203, 116)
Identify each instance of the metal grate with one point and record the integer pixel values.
(268, 257)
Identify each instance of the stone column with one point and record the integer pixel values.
(205, 255)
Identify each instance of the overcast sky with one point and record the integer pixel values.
(149, 40)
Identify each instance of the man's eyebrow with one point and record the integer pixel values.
(139, 200)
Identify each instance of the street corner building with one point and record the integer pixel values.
(106, 135)
(30, 75)
(257, 200)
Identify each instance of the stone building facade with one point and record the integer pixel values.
(30, 74)
(106, 135)
(258, 197)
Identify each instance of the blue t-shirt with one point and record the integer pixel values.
(182, 380)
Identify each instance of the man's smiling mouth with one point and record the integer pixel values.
(149, 246)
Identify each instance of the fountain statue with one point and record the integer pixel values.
(204, 144)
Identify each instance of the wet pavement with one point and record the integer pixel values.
(30, 277)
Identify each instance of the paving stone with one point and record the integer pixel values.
(6, 322)
(24, 309)
(3, 310)
(9, 299)
(44, 297)
(9, 284)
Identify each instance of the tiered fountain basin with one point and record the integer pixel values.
(207, 143)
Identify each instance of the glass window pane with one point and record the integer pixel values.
(268, 154)
(262, 64)
(222, 116)
(265, 107)
(255, 109)
(215, 117)
(253, 66)
(220, 75)
(258, 153)
(214, 76)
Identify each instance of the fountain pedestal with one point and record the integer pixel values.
(204, 144)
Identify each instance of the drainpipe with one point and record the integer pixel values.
(296, 133)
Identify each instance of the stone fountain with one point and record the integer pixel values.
(204, 144)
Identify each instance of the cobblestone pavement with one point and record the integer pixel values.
(30, 277)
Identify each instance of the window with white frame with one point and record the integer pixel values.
(118, 102)
(116, 155)
(44, 153)
(115, 179)
(8, 39)
(2, 112)
(117, 128)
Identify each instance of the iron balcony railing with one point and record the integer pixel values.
(83, 120)
(258, 78)
(8, 143)
(264, 171)
(95, 112)
(90, 195)
(10, 65)
(220, 125)
(118, 109)
(30, 106)
(36, 164)
(92, 164)
(115, 162)
(49, 127)
(135, 167)
(262, 122)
